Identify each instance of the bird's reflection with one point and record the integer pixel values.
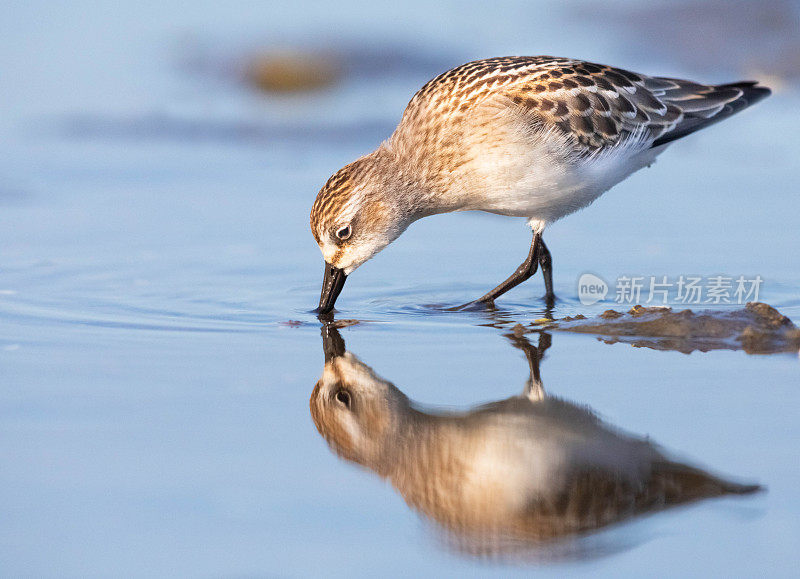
(522, 470)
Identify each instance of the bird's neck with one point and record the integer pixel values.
(425, 446)
(413, 185)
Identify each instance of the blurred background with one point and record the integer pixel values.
(158, 161)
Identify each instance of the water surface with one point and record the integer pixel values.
(157, 270)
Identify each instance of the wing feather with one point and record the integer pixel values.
(601, 106)
(598, 107)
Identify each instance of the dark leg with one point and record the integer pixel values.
(534, 389)
(547, 271)
(526, 269)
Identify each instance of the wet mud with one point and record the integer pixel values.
(758, 328)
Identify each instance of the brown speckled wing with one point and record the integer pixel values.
(593, 499)
(598, 105)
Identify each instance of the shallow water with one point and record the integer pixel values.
(157, 271)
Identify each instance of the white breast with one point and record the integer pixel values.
(538, 176)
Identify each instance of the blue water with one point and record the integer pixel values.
(156, 272)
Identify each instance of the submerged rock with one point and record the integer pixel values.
(758, 328)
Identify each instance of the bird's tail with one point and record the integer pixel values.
(704, 105)
(682, 483)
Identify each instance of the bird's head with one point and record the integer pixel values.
(357, 412)
(359, 211)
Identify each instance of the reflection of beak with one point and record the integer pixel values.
(332, 343)
(332, 285)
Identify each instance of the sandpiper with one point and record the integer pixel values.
(537, 137)
(531, 466)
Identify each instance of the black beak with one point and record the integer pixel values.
(332, 285)
(332, 342)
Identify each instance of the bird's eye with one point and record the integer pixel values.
(343, 233)
(343, 397)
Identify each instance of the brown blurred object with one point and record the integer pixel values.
(758, 39)
(299, 66)
(289, 71)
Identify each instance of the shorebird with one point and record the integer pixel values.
(529, 467)
(537, 137)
